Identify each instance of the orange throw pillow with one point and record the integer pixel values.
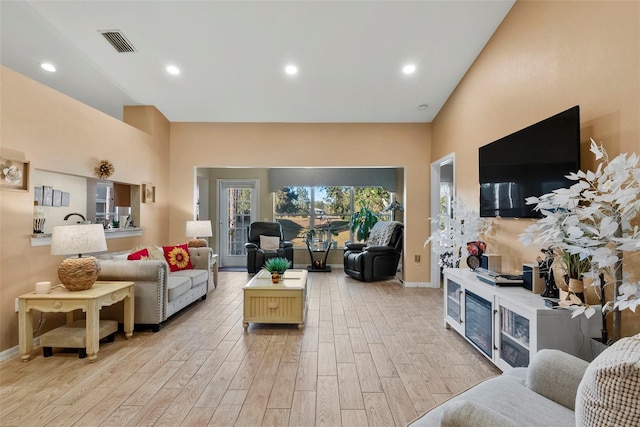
(140, 255)
(178, 257)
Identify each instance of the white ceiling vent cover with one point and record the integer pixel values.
(117, 40)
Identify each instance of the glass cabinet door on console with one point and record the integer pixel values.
(514, 337)
(453, 305)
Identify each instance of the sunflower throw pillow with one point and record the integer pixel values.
(177, 257)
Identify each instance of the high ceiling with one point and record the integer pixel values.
(232, 55)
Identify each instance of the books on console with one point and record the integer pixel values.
(498, 279)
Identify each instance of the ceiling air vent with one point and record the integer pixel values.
(118, 41)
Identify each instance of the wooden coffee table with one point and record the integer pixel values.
(285, 302)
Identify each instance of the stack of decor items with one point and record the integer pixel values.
(593, 226)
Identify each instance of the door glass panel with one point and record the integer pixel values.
(239, 219)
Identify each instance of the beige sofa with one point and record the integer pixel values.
(159, 293)
(556, 389)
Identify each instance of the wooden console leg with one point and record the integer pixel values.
(245, 325)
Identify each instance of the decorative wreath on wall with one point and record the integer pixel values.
(105, 169)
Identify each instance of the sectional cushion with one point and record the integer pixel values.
(142, 254)
(155, 253)
(609, 391)
(177, 257)
(177, 285)
(197, 277)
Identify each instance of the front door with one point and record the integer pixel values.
(238, 206)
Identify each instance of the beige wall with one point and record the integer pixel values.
(308, 145)
(58, 134)
(545, 57)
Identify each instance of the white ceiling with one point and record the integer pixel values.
(232, 53)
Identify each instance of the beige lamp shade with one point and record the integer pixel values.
(196, 229)
(79, 273)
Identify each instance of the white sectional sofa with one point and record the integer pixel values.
(159, 293)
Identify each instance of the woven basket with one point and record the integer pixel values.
(78, 274)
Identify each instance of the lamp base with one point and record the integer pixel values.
(197, 243)
(78, 274)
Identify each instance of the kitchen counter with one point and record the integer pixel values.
(44, 239)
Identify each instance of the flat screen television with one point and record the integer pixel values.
(530, 162)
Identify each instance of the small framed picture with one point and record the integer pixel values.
(37, 195)
(57, 198)
(66, 198)
(148, 193)
(47, 195)
(14, 174)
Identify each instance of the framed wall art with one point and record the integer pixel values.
(57, 198)
(148, 193)
(37, 195)
(14, 174)
(47, 195)
(66, 198)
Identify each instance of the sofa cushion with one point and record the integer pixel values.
(142, 254)
(502, 394)
(466, 413)
(155, 252)
(197, 277)
(269, 243)
(609, 391)
(381, 233)
(178, 257)
(177, 285)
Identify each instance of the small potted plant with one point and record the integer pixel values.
(277, 267)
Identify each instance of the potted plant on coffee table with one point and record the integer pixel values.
(277, 267)
(597, 219)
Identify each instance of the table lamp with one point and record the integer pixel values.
(77, 274)
(197, 229)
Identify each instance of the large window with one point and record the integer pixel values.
(327, 210)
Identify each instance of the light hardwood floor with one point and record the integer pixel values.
(370, 354)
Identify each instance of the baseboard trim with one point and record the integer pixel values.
(12, 352)
(416, 284)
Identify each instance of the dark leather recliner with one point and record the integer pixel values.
(378, 258)
(257, 256)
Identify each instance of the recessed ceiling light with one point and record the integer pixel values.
(172, 69)
(48, 67)
(291, 70)
(409, 69)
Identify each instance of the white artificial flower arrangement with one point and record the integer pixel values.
(593, 220)
(450, 234)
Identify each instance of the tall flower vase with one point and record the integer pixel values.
(39, 218)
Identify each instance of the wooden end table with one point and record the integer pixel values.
(61, 300)
(285, 302)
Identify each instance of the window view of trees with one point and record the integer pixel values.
(326, 210)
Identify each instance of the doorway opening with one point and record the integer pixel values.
(442, 196)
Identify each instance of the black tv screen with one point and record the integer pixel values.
(530, 162)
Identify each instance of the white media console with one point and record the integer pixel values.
(508, 324)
